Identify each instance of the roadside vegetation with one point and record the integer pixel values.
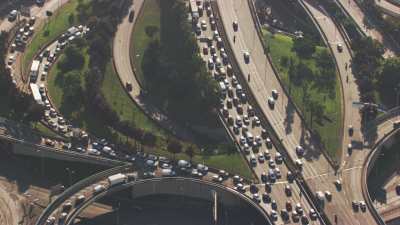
(55, 25)
(308, 73)
(147, 29)
(87, 90)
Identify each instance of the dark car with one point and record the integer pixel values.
(40, 2)
(131, 16)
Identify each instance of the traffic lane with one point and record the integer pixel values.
(278, 193)
(262, 90)
(121, 50)
(322, 167)
(350, 88)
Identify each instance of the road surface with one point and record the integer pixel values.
(368, 26)
(316, 169)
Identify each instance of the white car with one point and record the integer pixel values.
(271, 102)
(275, 94)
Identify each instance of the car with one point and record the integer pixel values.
(304, 220)
(299, 151)
(12, 15)
(240, 187)
(234, 81)
(246, 149)
(11, 60)
(246, 56)
(271, 163)
(340, 47)
(256, 121)
(128, 86)
(313, 214)
(398, 189)
(265, 197)
(278, 158)
(274, 205)
(284, 214)
(363, 206)
(131, 16)
(268, 143)
(261, 158)
(239, 121)
(246, 120)
(203, 25)
(264, 177)
(268, 187)
(271, 102)
(288, 205)
(328, 195)
(299, 163)
(40, 2)
(256, 197)
(355, 205)
(288, 190)
(267, 155)
(264, 133)
(351, 130)
(242, 140)
(349, 148)
(299, 209)
(275, 94)
(235, 25)
(253, 160)
(274, 215)
(338, 184)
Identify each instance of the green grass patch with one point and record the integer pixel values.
(51, 29)
(119, 100)
(141, 37)
(280, 46)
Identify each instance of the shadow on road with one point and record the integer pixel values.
(290, 110)
(307, 142)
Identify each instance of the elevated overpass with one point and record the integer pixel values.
(142, 187)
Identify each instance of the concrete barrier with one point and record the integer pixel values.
(178, 186)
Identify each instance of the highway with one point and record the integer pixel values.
(240, 112)
(367, 26)
(316, 170)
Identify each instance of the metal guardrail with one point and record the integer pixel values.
(75, 188)
(273, 135)
(138, 182)
(78, 156)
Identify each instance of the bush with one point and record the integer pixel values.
(304, 47)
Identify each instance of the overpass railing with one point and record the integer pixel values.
(212, 185)
(75, 188)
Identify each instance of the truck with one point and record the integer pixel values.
(34, 70)
(222, 88)
(117, 179)
(36, 94)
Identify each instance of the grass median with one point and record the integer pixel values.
(146, 29)
(329, 126)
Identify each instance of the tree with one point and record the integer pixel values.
(316, 110)
(190, 152)
(73, 60)
(389, 81)
(174, 147)
(72, 85)
(304, 47)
